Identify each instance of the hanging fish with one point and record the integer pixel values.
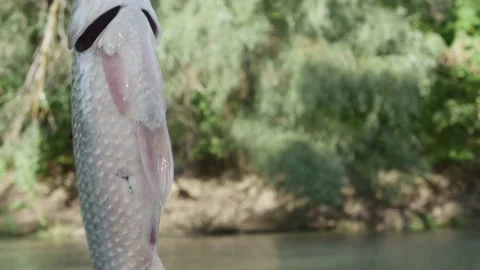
(122, 149)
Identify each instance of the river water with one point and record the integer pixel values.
(442, 250)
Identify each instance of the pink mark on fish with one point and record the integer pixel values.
(153, 237)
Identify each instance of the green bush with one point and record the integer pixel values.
(450, 109)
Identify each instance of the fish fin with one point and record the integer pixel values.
(113, 66)
(157, 159)
(156, 263)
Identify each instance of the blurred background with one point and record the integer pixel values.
(337, 126)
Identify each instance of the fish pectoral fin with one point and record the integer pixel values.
(113, 66)
(156, 263)
(157, 159)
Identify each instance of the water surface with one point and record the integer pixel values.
(443, 250)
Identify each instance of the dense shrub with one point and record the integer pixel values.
(317, 91)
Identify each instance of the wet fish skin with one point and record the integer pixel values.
(122, 148)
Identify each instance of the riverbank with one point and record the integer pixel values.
(248, 205)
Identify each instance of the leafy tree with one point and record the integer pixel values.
(451, 123)
(34, 89)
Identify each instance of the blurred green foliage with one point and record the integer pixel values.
(316, 94)
(451, 107)
(22, 26)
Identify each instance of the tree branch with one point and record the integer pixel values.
(32, 93)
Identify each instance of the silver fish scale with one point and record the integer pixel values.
(117, 224)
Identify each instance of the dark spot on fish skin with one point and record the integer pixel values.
(125, 175)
